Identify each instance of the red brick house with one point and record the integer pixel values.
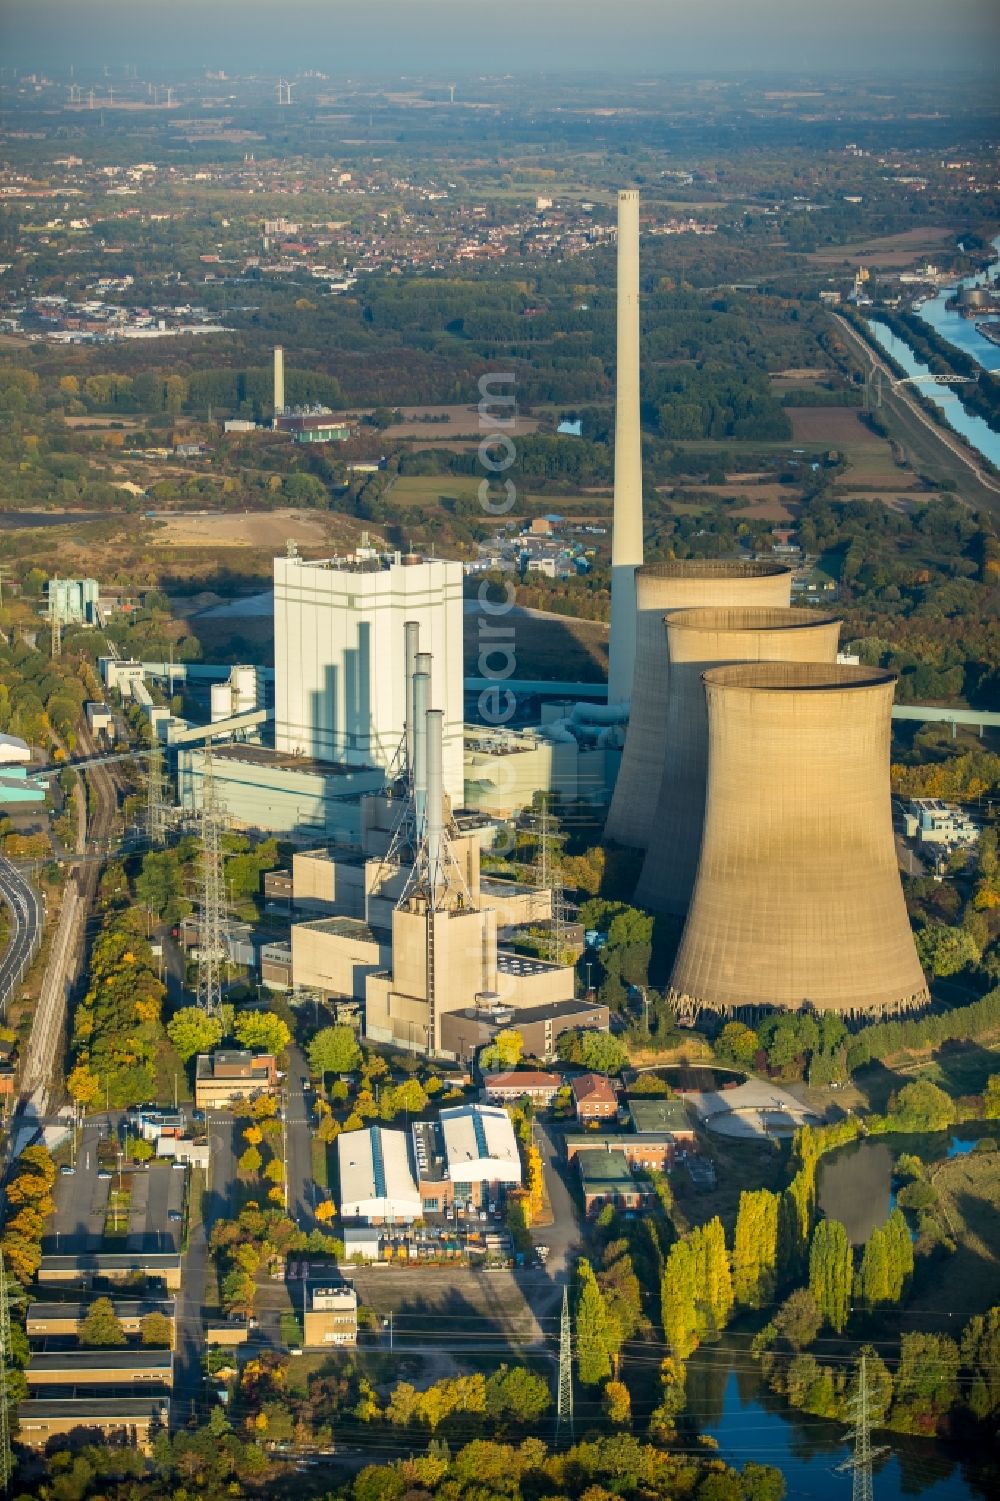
(595, 1098)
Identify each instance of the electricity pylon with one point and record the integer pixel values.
(548, 877)
(156, 819)
(6, 1457)
(212, 893)
(860, 1463)
(55, 620)
(564, 1399)
(543, 864)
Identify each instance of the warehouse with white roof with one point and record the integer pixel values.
(376, 1180)
(480, 1145)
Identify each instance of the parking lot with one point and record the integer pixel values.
(157, 1193)
(82, 1195)
(81, 1199)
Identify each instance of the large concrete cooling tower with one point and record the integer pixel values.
(661, 587)
(797, 899)
(698, 640)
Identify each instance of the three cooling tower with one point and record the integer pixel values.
(755, 775)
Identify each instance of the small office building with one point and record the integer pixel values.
(220, 1078)
(330, 1317)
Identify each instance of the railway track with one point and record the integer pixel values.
(40, 1077)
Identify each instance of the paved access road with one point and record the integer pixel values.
(216, 1204)
(27, 918)
(298, 1143)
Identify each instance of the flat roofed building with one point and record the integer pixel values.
(63, 1319)
(331, 1316)
(118, 1367)
(464, 1032)
(649, 1113)
(276, 966)
(227, 1332)
(361, 1243)
(523, 981)
(339, 656)
(112, 1266)
(133, 1420)
(267, 790)
(607, 1178)
(376, 1179)
(221, 1078)
(654, 1150)
(335, 956)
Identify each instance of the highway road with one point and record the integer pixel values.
(27, 919)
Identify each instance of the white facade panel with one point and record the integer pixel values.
(339, 657)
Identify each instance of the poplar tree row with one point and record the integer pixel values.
(703, 1280)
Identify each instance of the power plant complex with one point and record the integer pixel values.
(753, 783)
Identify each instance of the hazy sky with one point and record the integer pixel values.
(460, 36)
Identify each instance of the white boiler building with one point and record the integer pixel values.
(340, 671)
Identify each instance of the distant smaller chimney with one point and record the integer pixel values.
(279, 380)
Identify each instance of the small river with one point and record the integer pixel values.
(752, 1425)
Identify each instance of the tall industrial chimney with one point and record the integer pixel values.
(421, 699)
(626, 541)
(696, 641)
(797, 902)
(661, 587)
(279, 380)
(411, 645)
(435, 805)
